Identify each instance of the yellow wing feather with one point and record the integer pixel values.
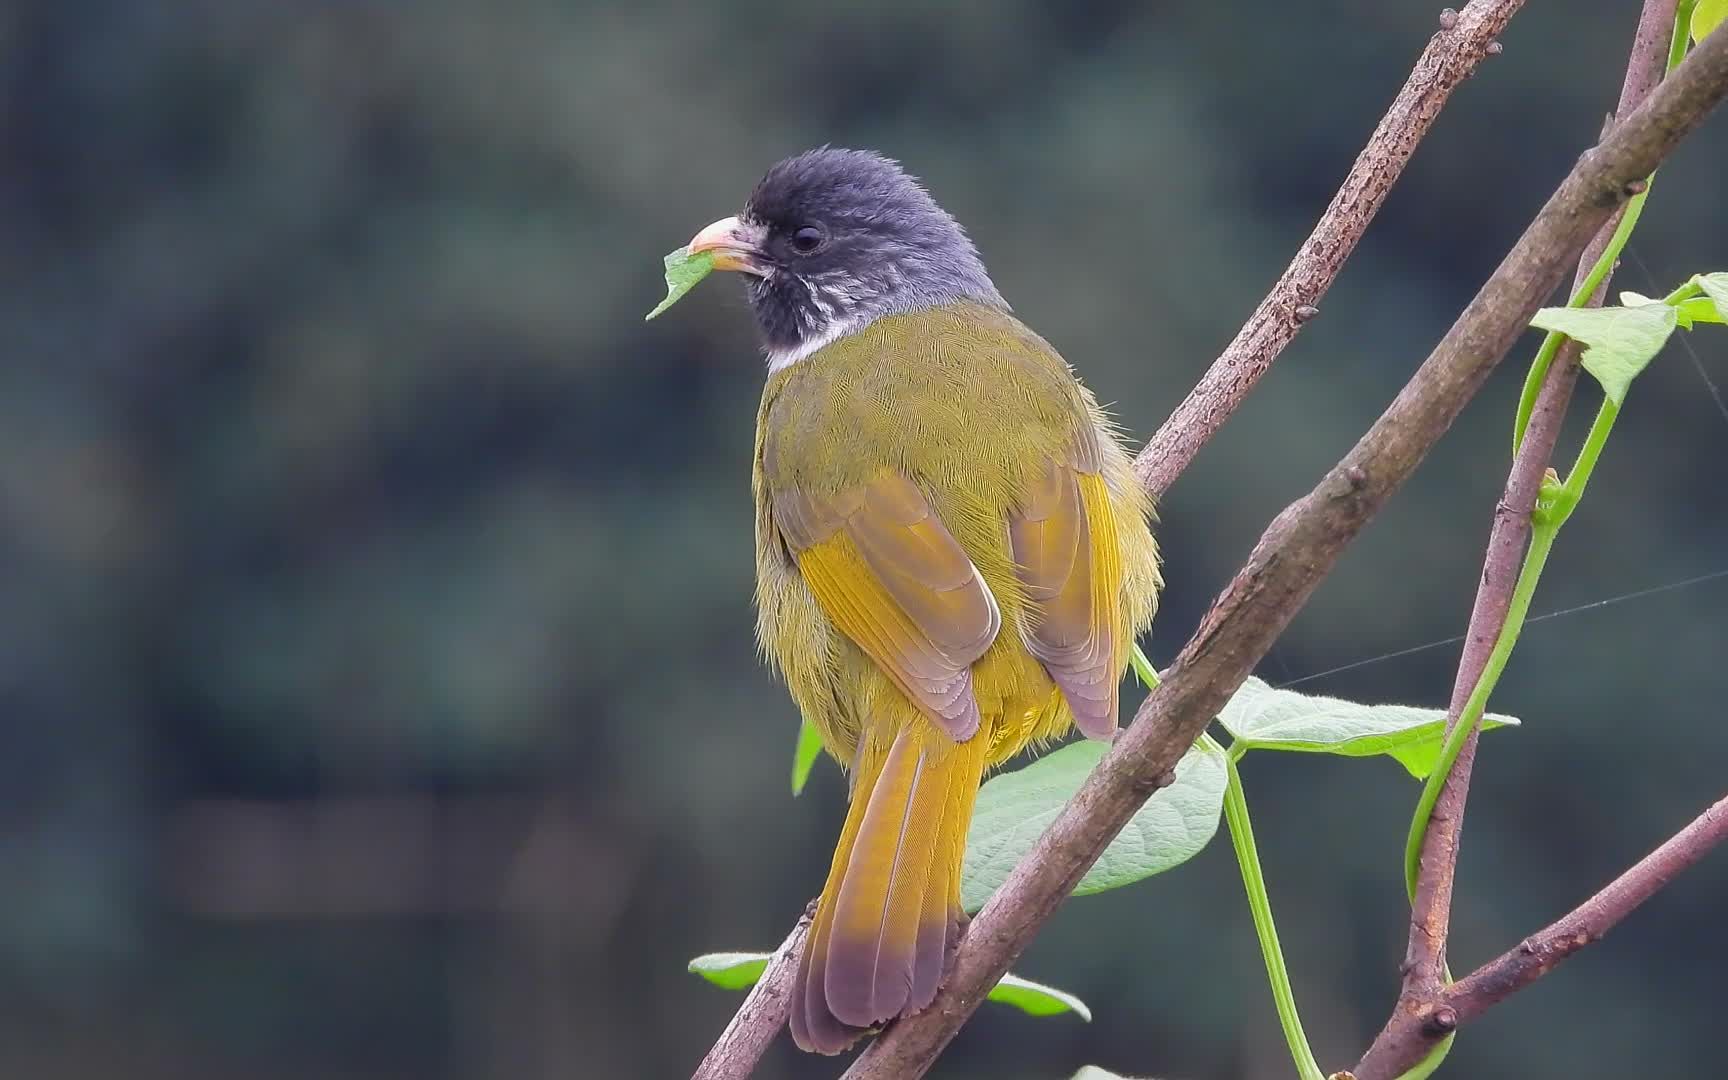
(895, 582)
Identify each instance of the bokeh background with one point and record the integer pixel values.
(376, 675)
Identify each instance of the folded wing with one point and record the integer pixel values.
(894, 580)
(1064, 543)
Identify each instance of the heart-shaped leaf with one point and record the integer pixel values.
(1015, 807)
(739, 970)
(1618, 342)
(683, 271)
(1260, 717)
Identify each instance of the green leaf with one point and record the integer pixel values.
(1618, 342)
(683, 271)
(1683, 314)
(740, 970)
(1702, 309)
(1015, 807)
(1707, 16)
(731, 970)
(804, 756)
(1261, 718)
(1036, 999)
(1715, 287)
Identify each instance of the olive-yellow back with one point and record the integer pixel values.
(952, 558)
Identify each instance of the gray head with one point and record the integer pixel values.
(831, 239)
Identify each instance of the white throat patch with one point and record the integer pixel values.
(780, 359)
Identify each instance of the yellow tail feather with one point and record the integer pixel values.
(890, 912)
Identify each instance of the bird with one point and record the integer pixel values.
(953, 556)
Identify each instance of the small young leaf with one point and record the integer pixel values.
(1701, 309)
(1715, 286)
(1015, 807)
(731, 970)
(1260, 717)
(1707, 16)
(1036, 999)
(804, 755)
(741, 970)
(1618, 342)
(683, 271)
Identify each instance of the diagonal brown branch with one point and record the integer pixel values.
(1409, 1036)
(1296, 551)
(1451, 57)
(763, 1013)
(1542, 951)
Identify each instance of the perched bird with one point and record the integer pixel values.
(952, 554)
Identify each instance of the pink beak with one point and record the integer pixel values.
(735, 244)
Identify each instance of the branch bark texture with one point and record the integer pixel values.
(1409, 1034)
(1539, 953)
(1296, 551)
(1451, 57)
(759, 1020)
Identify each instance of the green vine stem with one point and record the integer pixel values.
(1604, 264)
(1556, 501)
(1554, 506)
(1572, 490)
(1429, 1065)
(1254, 884)
(1143, 668)
(1538, 373)
(1541, 543)
(1260, 906)
(1685, 292)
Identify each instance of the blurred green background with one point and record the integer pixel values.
(378, 692)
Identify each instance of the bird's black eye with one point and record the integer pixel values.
(807, 238)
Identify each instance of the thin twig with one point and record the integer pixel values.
(1297, 550)
(762, 1015)
(1542, 951)
(1451, 57)
(1409, 1035)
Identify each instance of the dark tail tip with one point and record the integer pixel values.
(815, 1028)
